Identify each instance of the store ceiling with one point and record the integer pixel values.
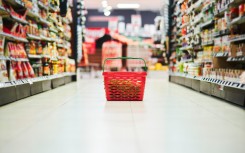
(144, 4)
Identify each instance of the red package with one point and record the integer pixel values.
(21, 50)
(24, 70)
(12, 49)
(13, 73)
(19, 70)
(30, 70)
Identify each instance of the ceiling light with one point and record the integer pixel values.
(128, 6)
(107, 13)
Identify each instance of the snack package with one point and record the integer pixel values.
(19, 70)
(30, 70)
(2, 41)
(10, 50)
(12, 72)
(21, 50)
(242, 77)
(3, 71)
(24, 70)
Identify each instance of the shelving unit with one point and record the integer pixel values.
(213, 44)
(34, 56)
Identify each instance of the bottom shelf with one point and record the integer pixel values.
(230, 94)
(26, 88)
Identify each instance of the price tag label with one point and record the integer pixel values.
(14, 83)
(219, 54)
(29, 81)
(2, 85)
(7, 84)
(242, 86)
(235, 84)
(229, 59)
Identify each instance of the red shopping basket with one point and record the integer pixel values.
(124, 86)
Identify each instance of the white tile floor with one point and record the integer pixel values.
(77, 119)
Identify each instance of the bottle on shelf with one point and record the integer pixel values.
(46, 68)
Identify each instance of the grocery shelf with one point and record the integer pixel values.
(4, 58)
(41, 5)
(13, 38)
(33, 37)
(33, 15)
(53, 30)
(46, 56)
(43, 38)
(187, 60)
(15, 19)
(210, 43)
(23, 88)
(221, 33)
(18, 3)
(206, 8)
(173, 40)
(197, 48)
(34, 56)
(185, 25)
(44, 21)
(187, 36)
(197, 21)
(221, 54)
(236, 59)
(207, 24)
(221, 60)
(60, 29)
(52, 20)
(236, 85)
(55, 76)
(198, 6)
(221, 12)
(62, 57)
(238, 39)
(26, 87)
(19, 59)
(186, 48)
(238, 20)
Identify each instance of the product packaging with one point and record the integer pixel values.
(2, 42)
(3, 71)
(13, 72)
(24, 70)
(19, 70)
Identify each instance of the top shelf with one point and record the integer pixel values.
(18, 3)
(41, 5)
(235, 2)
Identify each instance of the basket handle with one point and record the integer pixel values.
(133, 58)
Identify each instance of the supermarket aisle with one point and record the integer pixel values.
(77, 119)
